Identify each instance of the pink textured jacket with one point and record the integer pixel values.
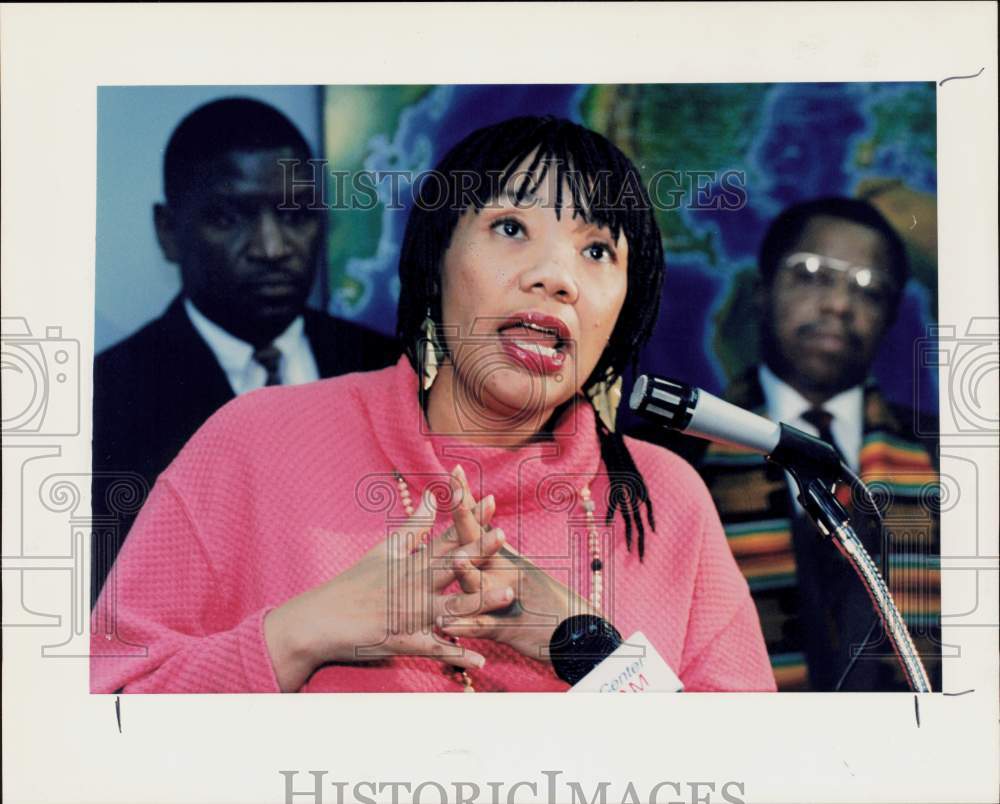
(285, 487)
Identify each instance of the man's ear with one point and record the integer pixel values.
(165, 222)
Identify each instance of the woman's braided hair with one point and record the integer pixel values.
(606, 189)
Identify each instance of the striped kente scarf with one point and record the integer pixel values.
(754, 503)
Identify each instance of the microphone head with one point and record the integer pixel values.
(663, 400)
(580, 643)
(638, 392)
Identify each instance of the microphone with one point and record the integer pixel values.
(588, 652)
(695, 412)
(815, 466)
(580, 643)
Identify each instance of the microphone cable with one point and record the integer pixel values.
(857, 484)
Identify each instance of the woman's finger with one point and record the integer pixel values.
(468, 575)
(448, 540)
(462, 604)
(450, 653)
(482, 549)
(466, 525)
(469, 497)
(469, 517)
(482, 626)
(465, 572)
(468, 562)
(462, 562)
(483, 510)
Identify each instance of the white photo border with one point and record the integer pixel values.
(62, 744)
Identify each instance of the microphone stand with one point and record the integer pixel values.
(816, 468)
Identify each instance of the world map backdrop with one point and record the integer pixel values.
(730, 157)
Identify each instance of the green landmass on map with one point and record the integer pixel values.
(904, 119)
(679, 127)
(352, 116)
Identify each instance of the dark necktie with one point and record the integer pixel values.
(835, 611)
(270, 358)
(822, 420)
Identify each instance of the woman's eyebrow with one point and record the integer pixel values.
(513, 197)
(587, 224)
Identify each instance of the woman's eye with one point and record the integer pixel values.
(598, 252)
(509, 228)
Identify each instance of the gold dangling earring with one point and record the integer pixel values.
(606, 396)
(430, 365)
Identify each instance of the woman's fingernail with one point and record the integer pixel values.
(500, 536)
(480, 662)
(508, 594)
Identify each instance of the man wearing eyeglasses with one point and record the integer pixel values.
(832, 273)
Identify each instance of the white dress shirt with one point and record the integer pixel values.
(298, 365)
(785, 404)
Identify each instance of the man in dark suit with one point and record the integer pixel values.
(832, 273)
(246, 243)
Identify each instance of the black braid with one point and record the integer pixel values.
(628, 491)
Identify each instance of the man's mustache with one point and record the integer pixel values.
(814, 329)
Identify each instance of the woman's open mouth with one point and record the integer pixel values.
(538, 342)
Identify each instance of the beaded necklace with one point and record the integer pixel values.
(593, 544)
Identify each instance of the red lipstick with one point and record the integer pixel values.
(537, 341)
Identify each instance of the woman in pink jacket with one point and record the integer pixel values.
(426, 527)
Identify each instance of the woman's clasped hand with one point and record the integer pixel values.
(540, 602)
(393, 601)
(400, 597)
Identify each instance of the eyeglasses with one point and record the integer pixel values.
(816, 274)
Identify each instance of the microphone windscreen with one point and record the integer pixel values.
(580, 643)
(665, 401)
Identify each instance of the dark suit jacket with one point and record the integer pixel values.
(155, 388)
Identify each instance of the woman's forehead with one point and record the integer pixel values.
(556, 187)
